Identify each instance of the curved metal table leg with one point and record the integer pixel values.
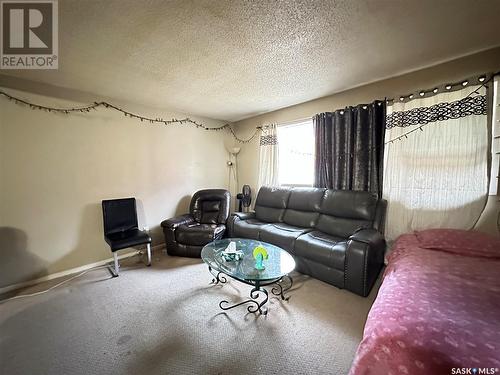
(256, 306)
(218, 278)
(279, 290)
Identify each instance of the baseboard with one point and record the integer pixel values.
(52, 276)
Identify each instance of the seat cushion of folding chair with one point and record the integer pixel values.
(129, 238)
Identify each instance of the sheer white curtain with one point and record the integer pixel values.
(495, 143)
(436, 177)
(268, 157)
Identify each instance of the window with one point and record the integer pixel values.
(296, 153)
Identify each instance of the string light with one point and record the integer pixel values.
(160, 121)
(448, 87)
(187, 120)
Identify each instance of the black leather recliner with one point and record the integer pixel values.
(334, 235)
(208, 212)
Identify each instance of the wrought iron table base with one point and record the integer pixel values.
(256, 306)
(278, 290)
(218, 278)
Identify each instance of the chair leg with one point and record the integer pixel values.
(115, 271)
(149, 254)
(117, 265)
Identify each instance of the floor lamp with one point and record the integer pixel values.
(232, 163)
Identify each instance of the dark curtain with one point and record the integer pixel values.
(349, 148)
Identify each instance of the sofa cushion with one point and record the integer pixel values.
(303, 207)
(248, 228)
(282, 235)
(322, 248)
(350, 204)
(343, 212)
(199, 234)
(339, 226)
(271, 203)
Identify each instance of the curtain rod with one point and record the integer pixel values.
(294, 122)
(285, 123)
(482, 79)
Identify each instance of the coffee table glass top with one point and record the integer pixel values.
(278, 264)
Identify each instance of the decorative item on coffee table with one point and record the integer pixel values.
(230, 254)
(260, 253)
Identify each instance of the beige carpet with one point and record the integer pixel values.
(166, 320)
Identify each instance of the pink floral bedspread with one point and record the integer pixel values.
(436, 313)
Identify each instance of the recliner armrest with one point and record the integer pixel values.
(364, 259)
(176, 221)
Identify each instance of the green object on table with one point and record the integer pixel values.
(260, 253)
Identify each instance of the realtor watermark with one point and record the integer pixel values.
(29, 34)
(474, 370)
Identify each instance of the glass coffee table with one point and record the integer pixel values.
(277, 267)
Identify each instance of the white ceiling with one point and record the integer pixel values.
(230, 60)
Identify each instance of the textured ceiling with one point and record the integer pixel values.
(235, 59)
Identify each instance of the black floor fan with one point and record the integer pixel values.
(245, 198)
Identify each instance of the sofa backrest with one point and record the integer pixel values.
(303, 207)
(343, 212)
(271, 203)
(336, 212)
(210, 206)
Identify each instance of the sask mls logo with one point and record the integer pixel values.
(29, 34)
(474, 370)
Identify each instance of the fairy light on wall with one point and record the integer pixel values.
(160, 121)
(482, 79)
(227, 127)
(450, 86)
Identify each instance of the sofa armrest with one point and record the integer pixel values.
(236, 216)
(244, 215)
(368, 236)
(364, 259)
(174, 222)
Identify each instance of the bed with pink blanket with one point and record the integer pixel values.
(438, 308)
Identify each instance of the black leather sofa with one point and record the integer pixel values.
(334, 235)
(208, 212)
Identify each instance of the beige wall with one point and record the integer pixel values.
(55, 170)
(488, 61)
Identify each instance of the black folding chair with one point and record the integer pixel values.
(121, 228)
